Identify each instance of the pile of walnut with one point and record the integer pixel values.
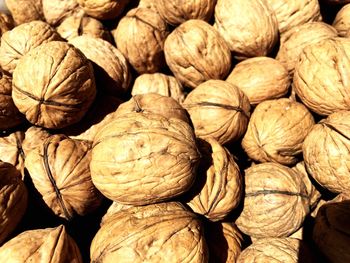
(175, 131)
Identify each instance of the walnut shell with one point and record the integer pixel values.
(6, 23)
(224, 242)
(293, 42)
(151, 4)
(110, 66)
(294, 13)
(160, 83)
(218, 109)
(274, 250)
(133, 151)
(22, 39)
(331, 231)
(154, 103)
(195, 53)
(13, 200)
(54, 85)
(103, 9)
(260, 78)
(175, 12)
(271, 123)
(11, 150)
(219, 185)
(280, 191)
(41, 245)
(34, 138)
(249, 27)
(60, 172)
(140, 36)
(10, 116)
(80, 25)
(24, 11)
(150, 234)
(326, 152)
(115, 207)
(56, 11)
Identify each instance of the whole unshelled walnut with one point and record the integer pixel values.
(219, 184)
(6, 23)
(13, 200)
(294, 13)
(41, 245)
(160, 83)
(56, 11)
(281, 191)
(326, 152)
(143, 158)
(218, 109)
(21, 39)
(293, 42)
(276, 131)
(151, 233)
(260, 78)
(103, 9)
(24, 11)
(110, 66)
(195, 52)
(176, 12)
(342, 20)
(53, 85)
(11, 150)
(140, 36)
(321, 76)
(59, 169)
(249, 27)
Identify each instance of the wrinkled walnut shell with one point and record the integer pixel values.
(56, 11)
(342, 21)
(103, 9)
(276, 131)
(24, 11)
(195, 53)
(11, 150)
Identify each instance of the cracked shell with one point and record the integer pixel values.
(278, 189)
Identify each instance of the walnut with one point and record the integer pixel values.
(249, 27)
(176, 12)
(195, 53)
(219, 184)
(224, 242)
(260, 78)
(293, 42)
(56, 11)
(218, 109)
(103, 9)
(34, 137)
(80, 25)
(24, 11)
(159, 83)
(140, 36)
(154, 103)
(326, 152)
(23, 38)
(276, 131)
(53, 85)
(294, 13)
(11, 150)
(13, 200)
(150, 234)
(321, 76)
(110, 66)
(60, 172)
(276, 250)
(6, 23)
(10, 116)
(151, 4)
(132, 153)
(342, 20)
(115, 207)
(331, 231)
(41, 245)
(279, 190)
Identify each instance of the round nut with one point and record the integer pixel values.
(195, 53)
(103, 9)
(56, 11)
(140, 36)
(278, 189)
(276, 131)
(342, 20)
(24, 11)
(249, 27)
(260, 78)
(218, 109)
(53, 85)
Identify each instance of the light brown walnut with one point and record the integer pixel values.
(24, 11)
